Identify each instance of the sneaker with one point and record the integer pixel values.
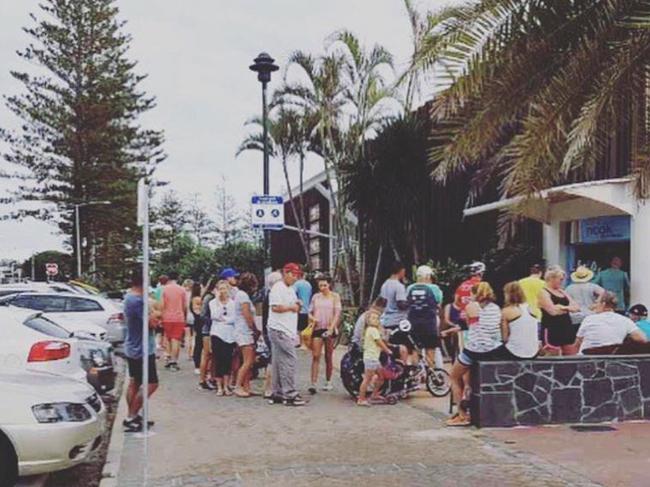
(296, 401)
(197, 371)
(312, 389)
(132, 425)
(206, 386)
(458, 420)
(140, 419)
(328, 386)
(275, 400)
(174, 366)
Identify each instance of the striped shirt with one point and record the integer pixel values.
(485, 335)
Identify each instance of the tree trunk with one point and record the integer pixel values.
(376, 274)
(292, 203)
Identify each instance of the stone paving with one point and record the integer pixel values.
(202, 440)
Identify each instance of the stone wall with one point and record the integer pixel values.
(561, 390)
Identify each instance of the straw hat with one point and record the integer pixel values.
(582, 274)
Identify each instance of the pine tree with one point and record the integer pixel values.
(168, 222)
(228, 219)
(79, 139)
(199, 222)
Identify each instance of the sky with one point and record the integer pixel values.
(196, 54)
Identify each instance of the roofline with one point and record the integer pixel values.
(508, 202)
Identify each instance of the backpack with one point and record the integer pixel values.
(423, 308)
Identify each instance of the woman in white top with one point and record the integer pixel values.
(519, 327)
(222, 336)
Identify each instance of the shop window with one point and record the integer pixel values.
(314, 213)
(314, 246)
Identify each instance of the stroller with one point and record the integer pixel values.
(401, 379)
(262, 357)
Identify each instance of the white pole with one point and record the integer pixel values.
(144, 194)
(76, 224)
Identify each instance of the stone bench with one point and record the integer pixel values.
(552, 390)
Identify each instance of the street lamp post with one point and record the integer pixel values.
(77, 230)
(264, 66)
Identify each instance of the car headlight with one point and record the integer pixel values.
(60, 412)
(98, 358)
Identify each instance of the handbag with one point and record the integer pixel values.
(307, 333)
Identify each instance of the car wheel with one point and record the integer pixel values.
(8, 463)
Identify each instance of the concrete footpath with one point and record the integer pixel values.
(203, 440)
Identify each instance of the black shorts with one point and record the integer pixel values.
(427, 341)
(135, 369)
(502, 353)
(303, 321)
(559, 335)
(319, 333)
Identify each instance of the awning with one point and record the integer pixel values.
(591, 199)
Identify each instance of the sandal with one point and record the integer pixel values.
(220, 393)
(242, 394)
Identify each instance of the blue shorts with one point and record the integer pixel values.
(469, 358)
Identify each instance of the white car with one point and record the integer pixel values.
(69, 310)
(47, 423)
(38, 287)
(23, 347)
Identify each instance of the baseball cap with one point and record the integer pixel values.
(639, 310)
(293, 268)
(424, 271)
(228, 272)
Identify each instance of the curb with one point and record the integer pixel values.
(114, 456)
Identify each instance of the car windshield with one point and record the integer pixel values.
(47, 327)
(6, 300)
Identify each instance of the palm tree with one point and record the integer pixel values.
(538, 89)
(344, 93)
(284, 128)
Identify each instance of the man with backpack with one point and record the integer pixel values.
(425, 299)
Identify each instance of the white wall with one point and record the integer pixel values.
(640, 255)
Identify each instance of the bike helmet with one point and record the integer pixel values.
(477, 268)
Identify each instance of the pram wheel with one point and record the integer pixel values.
(392, 400)
(438, 383)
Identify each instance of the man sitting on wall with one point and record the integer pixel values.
(605, 331)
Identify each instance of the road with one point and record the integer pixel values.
(204, 440)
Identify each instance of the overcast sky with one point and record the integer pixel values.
(197, 54)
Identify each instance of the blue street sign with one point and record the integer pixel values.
(267, 212)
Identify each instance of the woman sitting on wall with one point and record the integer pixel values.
(518, 326)
(483, 339)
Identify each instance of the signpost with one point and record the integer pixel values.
(267, 212)
(143, 221)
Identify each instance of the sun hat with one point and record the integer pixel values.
(228, 272)
(582, 274)
(639, 310)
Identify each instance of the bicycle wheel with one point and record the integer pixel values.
(438, 383)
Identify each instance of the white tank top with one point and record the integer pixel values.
(523, 339)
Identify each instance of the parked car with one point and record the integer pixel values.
(69, 309)
(38, 287)
(31, 341)
(47, 423)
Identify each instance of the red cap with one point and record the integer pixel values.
(293, 268)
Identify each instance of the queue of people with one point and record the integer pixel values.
(217, 323)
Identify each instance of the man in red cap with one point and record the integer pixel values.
(283, 330)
